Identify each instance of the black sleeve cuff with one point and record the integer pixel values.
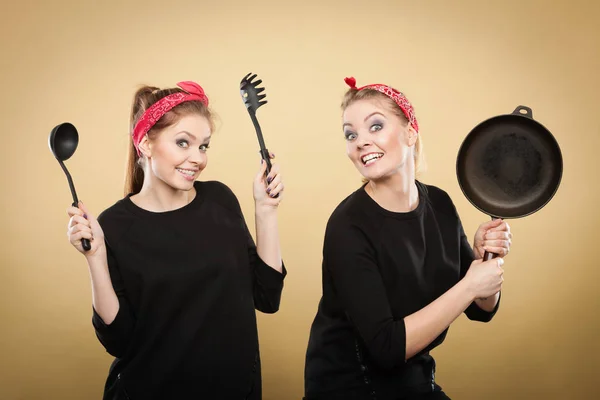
(475, 313)
(269, 276)
(114, 336)
(268, 285)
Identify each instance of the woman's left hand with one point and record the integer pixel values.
(266, 188)
(494, 237)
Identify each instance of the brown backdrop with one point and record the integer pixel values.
(459, 62)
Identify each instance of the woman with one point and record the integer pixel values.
(397, 267)
(175, 273)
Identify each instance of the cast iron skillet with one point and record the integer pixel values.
(509, 166)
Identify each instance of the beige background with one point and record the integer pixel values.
(458, 61)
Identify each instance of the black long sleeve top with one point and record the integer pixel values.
(379, 267)
(188, 283)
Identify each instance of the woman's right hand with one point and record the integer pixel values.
(84, 225)
(485, 278)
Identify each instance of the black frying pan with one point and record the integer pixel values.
(509, 166)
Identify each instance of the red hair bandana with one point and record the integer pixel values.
(193, 92)
(398, 97)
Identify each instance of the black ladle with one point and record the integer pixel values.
(63, 142)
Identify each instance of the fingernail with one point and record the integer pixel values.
(268, 190)
(269, 180)
(85, 216)
(262, 161)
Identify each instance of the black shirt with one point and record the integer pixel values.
(188, 282)
(379, 267)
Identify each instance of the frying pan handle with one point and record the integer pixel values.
(488, 256)
(524, 111)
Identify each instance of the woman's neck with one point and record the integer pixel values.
(397, 193)
(158, 196)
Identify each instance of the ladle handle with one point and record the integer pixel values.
(85, 243)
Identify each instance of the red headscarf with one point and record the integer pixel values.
(398, 97)
(193, 92)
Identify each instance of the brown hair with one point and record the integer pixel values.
(144, 98)
(353, 95)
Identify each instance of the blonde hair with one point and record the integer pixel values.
(353, 95)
